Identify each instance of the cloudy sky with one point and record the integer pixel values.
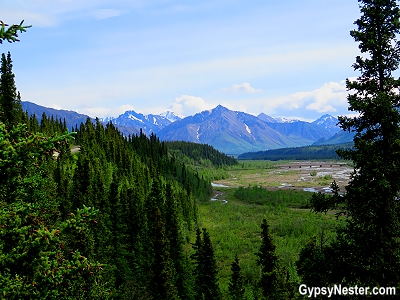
(102, 57)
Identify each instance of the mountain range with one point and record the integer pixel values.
(232, 132)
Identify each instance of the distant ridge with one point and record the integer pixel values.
(228, 131)
(231, 132)
(339, 138)
(72, 118)
(298, 153)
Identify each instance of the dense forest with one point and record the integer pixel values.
(322, 152)
(93, 214)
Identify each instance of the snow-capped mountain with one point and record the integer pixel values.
(285, 120)
(329, 123)
(231, 132)
(147, 123)
(171, 116)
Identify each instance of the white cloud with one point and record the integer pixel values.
(102, 112)
(93, 112)
(46, 13)
(245, 86)
(15, 16)
(331, 94)
(115, 112)
(186, 105)
(331, 97)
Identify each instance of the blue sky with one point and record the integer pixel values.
(101, 57)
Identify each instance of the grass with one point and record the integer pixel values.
(235, 227)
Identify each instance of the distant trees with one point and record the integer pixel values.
(298, 153)
(367, 250)
(202, 152)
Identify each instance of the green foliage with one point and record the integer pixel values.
(272, 282)
(21, 154)
(312, 260)
(236, 287)
(259, 195)
(35, 261)
(201, 152)
(10, 34)
(206, 280)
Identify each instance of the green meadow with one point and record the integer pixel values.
(234, 225)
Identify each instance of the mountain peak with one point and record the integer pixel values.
(285, 120)
(171, 116)
(266, 118)
(219, 107)
(328, 122)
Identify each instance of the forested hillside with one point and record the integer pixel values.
(298, 153)
(201, 152)
(112, 220)
(135, 201)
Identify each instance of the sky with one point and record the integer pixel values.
(284, 58)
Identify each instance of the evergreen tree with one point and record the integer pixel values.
(206, 280)
(162, 275)
(176, 243)
(236, 288)
(367, 248)
(210, 275)
(10, 102)
(272, 281)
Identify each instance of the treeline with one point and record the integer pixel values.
(298, 153)
(131, 216)
(201, 152)
(112, 221)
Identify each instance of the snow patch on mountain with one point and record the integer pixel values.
(132, 117)
(285, 120)
(171, 116)
(197, 133)
(247, 128)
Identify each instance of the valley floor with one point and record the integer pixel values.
(299, 175)
(234, 224)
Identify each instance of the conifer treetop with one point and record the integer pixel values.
(10, 33)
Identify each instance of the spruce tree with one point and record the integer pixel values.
(210, 278)
(206, 279)
(198, 265)
(367, 248)
(162, 275)
(272, 281)
(10, 102)
(236, 288)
